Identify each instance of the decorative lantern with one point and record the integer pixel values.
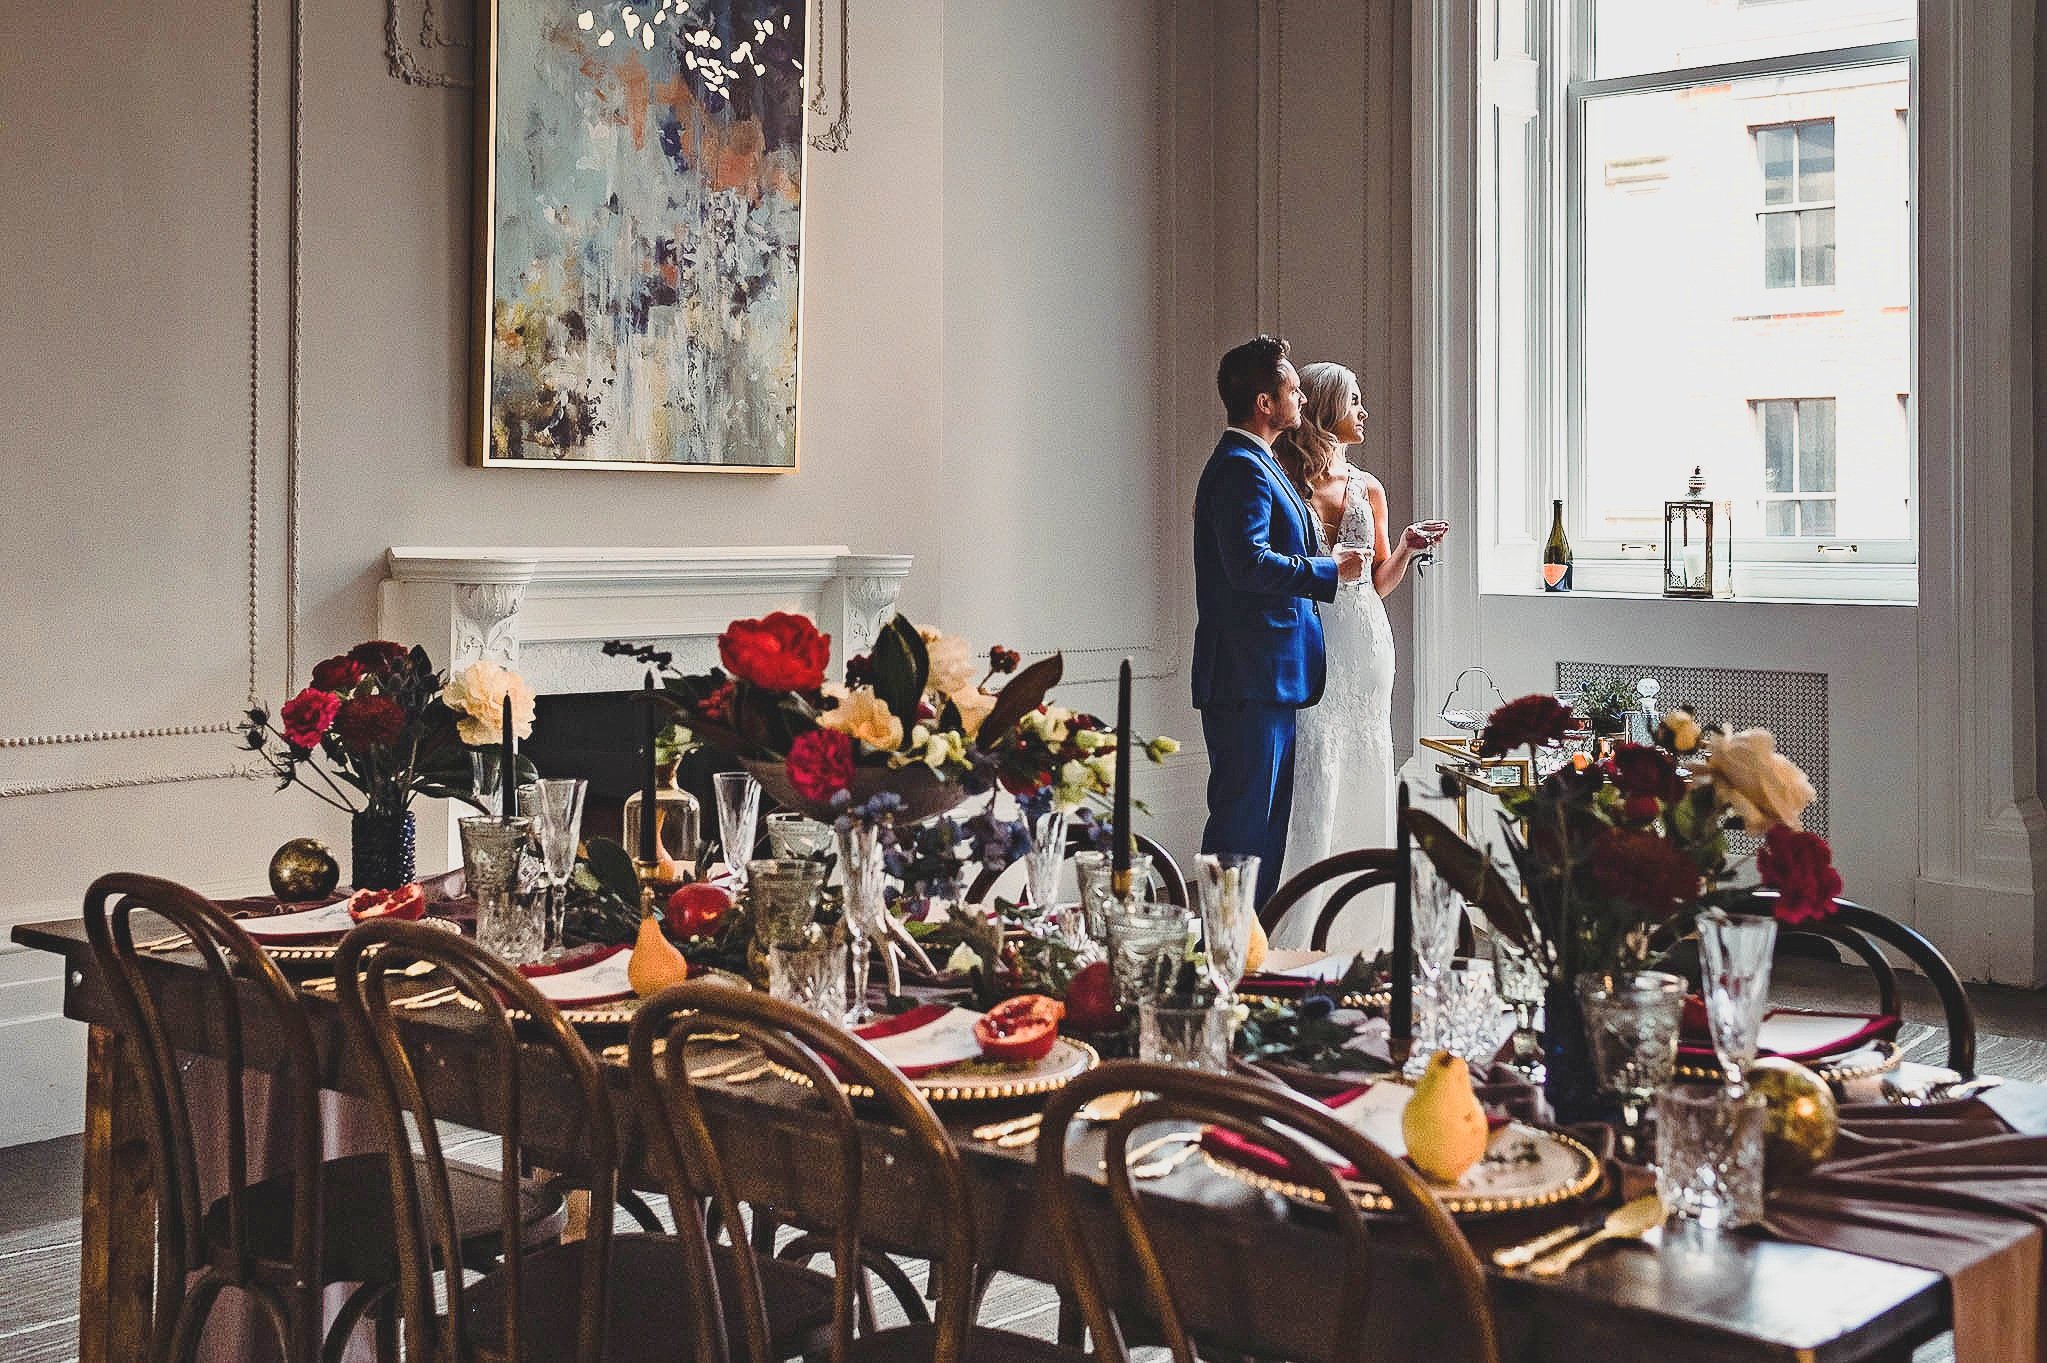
(1689, 529)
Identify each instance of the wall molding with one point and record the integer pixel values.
(216, 771)
(417, 57)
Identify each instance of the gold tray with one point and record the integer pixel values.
(980, 1081)
(1575, 1173)
(322, 952)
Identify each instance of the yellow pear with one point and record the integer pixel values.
(655, 962)
(1444, 1126)
(1254, 950)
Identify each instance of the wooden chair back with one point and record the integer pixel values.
(271, 1010)
(1361, 870)
(1281, 1121)
(1169, 883)
(693, 1169)
(424, 1217)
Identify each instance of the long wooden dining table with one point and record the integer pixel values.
(1251, 1270)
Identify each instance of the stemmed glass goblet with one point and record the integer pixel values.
(739, 807)
(556, 808)
(1734, 966)
(1226, 885)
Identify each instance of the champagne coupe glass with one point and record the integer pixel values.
(556, 807)
(1734, 960)
(1226, 884)
(739, 807)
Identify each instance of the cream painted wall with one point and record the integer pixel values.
(983, 275)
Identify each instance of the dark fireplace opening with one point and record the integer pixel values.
(596, 735)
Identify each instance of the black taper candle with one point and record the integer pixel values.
(1401, 1015)
(508, 764)
(645, 851)
(1119, 824)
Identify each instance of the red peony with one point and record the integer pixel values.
(1528, 722)
(307, 716)
(780, 651)
(1800, 868)
(1642, 869)
(369, 722)
(379, 655)
(1638, 770)
(339, 673)
(821, 763)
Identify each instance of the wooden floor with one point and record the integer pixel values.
(39, 1184)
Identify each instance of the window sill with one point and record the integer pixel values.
(1721, 601)
(1756, 582)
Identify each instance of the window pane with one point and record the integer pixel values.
(1773, 151)
(1780, 250)
(1780, 518)
(1816, 161)
(1815, 246)
(1816, 445)
(1778, 438)
(1633, 36)
(1816, 518)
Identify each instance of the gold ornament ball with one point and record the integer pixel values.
(1800, 1120)
(304, 869)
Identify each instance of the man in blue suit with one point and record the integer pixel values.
(1258, 634)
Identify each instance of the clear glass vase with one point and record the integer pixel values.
(678, 825)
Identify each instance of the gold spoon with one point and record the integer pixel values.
(1629, 1221)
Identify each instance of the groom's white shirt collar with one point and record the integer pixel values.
(1260, 441)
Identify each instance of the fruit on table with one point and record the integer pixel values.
(1800, 1119)
(1444, 1126)
(303, 869)
(1019, 1029)
(1091, 999)
(406, 902)
(1254, 950)
(698, 909)
(655, 963)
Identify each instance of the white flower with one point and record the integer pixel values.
(952, 664)
(1160, 748)
(1760, 784)
(963, 959)
(477, 696)
(1087, 740)
(1072, 773)
(1103, 765)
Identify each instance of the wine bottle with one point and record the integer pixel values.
(1556, 553)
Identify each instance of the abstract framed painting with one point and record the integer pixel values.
(639, 220)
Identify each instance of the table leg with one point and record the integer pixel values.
(118, 1219)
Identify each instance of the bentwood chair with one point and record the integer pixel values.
(1169, 883)
(1365, 869)
(1284, 1123)
(310, 1223)
(824, 1199)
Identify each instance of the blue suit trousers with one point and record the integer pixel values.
(1250, 783)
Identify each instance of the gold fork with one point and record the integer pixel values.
(432, 998)
(324, 984)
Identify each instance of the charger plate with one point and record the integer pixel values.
(982, 1081)
(612, 1012)
(1524, 1167)
(322, 952)
(1864, 1062)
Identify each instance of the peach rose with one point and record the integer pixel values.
(974, 706)
(477, 696)
(952, 665)
(1760, 784)
(861, 714)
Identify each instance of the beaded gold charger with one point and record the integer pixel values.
(987, 1081)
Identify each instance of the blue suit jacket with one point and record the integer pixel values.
(1257, 577)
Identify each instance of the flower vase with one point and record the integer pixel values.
(380, 848)
(1570, 1082)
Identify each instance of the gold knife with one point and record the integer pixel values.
(1528, 1251)
(1629, 1221)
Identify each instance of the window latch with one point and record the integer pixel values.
(1837, 548)
(1638, 548)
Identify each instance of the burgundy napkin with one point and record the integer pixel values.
(1949, 1187)
(576, 961)
(1695, 1044)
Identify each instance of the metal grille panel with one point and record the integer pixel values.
(1791, 705)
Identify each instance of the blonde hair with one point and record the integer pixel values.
(1311, 449)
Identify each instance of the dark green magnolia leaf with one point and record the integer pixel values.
(902, 669)
(1025, 692)
(613, 869)
(1471, 875)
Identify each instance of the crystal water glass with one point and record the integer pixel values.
(812, 976)
(508, 924)
(556, 808)
(1096, 876)
(1519, 980)
(1470, 1020)
(1631, 1023)
(1434, 910)
(784, 897)
(1734, 966)
(1709, 1155)
(486, 779)
(739, 807)
(1045, 859)
(794, 837)
(866, 903)
(1147, 943)
(1226, 887)
(1192, 1035)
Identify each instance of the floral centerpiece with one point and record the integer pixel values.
(1615, 858)
(377, 726)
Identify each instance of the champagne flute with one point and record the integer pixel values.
(739, 807)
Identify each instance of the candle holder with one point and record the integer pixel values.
(1690, 526)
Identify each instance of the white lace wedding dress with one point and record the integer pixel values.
(1343, 749)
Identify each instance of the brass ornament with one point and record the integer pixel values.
(1800, 1120)
(303, 869)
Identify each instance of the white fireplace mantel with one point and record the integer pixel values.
(549, 611)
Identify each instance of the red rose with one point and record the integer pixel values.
(369, 722)
(1641, 808)
(306, 717)
(1639, 770)
(338, 673)
(821, 763)
(1800, 868)
(1643, 870)
(780, 651)
(379, 655)
(1528, 722)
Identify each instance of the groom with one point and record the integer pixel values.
(1258, 633)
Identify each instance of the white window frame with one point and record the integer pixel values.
(1531, 343)
(1794, 207)
(1797, 493)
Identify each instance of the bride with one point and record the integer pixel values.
(1343, 749)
